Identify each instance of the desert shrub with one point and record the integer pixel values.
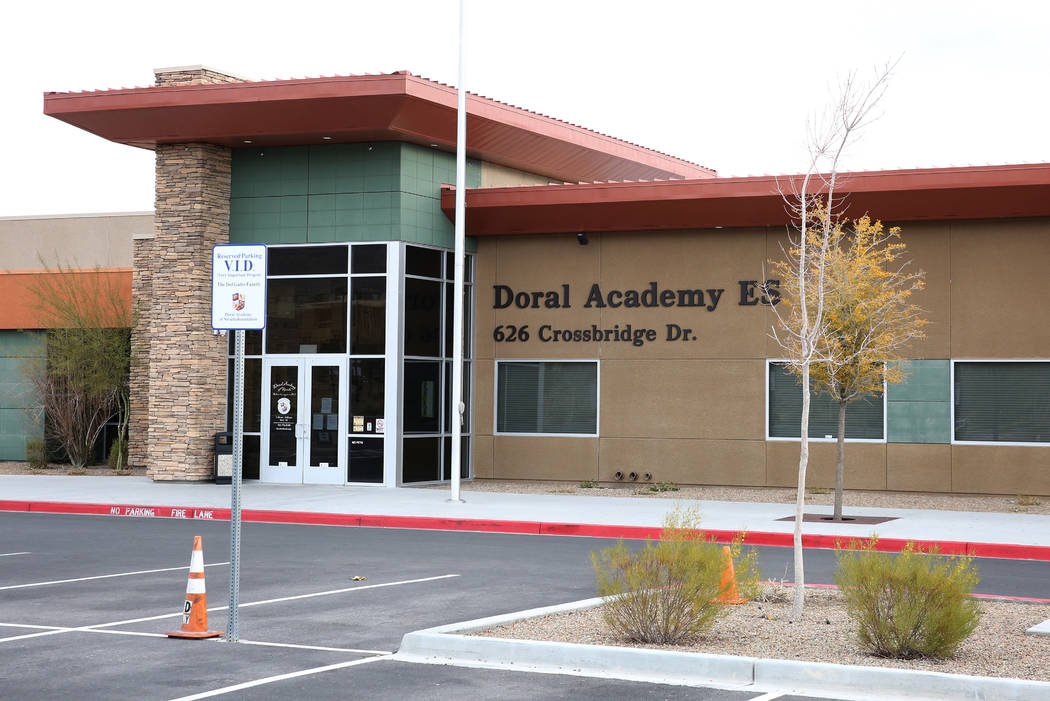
(118, 454)
(908, 605)
(36, 453)
(663, 487)
(589, 484)
(665, 591)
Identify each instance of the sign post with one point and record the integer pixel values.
(238, 303)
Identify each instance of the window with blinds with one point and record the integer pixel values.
(547, 397)
(864, 416)
(1002, 402)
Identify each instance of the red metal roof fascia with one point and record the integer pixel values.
(954, 193)
(384, 107)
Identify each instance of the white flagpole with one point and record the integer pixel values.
(457, 302)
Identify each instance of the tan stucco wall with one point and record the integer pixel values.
(493, 175)
(693, 412)
(82, 240)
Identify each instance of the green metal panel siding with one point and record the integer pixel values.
(918, 410)
(17, 348)
(343, 192)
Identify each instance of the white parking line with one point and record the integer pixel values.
(61, 629)
(102, 576)
(10, 554)
(768, 697)
(129, 621)
(279, 677)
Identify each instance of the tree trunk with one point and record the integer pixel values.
(800, 501)
(840, 461)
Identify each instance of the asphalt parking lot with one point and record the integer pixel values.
(85, 602)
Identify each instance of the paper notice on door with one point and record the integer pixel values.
(333, 422)
(359, 423)
(326, 405)
(318, 422)
(380, 425)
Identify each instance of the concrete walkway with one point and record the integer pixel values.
(1026, 533)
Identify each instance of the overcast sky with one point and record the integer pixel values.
(728, 85)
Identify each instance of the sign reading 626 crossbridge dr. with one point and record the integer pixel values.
(238, 286)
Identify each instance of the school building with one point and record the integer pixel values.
(615, 328)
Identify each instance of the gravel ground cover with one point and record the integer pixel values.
(1015, 503)
(998, 648)
(9, 467)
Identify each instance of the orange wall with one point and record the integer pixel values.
(18, 305)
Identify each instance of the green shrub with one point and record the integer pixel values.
(589, 484)
(36, 454)
(908, 605)
(663, 487)
(664, 592)
(118, 455)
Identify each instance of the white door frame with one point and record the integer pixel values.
(302, 472)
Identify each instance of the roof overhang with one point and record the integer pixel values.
(341, 109)
(895, 195)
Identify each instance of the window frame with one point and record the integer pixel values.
(951, 401)
(798, 439)
(597, 397)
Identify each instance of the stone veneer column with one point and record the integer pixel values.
(141, 293)
(186, 401)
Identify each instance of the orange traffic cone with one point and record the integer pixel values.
(195, 610)
(729, 593)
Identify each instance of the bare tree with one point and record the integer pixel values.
(83, 382)
(815, 210)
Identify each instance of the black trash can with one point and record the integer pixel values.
(223, 458)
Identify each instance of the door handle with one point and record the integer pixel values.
(301, 431)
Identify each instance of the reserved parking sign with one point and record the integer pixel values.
(238, 287)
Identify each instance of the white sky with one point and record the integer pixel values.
(728, 85)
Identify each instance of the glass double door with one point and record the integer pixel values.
(304, 424)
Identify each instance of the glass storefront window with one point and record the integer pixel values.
(367, 315)
(306, 315)
(368, 259)
(423, 261)
(423, 320)
(421, 396)
(252, 394)
(306, 260)
(419, 460)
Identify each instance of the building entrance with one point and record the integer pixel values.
(304, 421)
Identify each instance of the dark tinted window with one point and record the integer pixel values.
(368, 259)
(307, 260)
(423, 261)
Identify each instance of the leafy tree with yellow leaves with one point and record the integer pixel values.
(868, 319)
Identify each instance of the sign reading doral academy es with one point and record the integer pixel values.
(238, 287)
(751, 293)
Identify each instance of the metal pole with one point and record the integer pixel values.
(232, 634)
(457, 302)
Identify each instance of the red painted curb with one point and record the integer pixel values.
(946, 547)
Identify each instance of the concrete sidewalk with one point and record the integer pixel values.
(1020, 535)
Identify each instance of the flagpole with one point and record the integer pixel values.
(457, 301)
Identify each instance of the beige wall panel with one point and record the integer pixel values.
(682, 399)
(865, 465)
(684, 260)
(545, 457)
(484, 376)
(83, 241)
(998, 307)
(493, 175)
(484, 277)
(929, 251)
(483, 456)
(776, 237)
(918, 467)
(541, 264)
(685, 461)
(988, 469)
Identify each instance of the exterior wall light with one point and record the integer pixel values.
(581, 238)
